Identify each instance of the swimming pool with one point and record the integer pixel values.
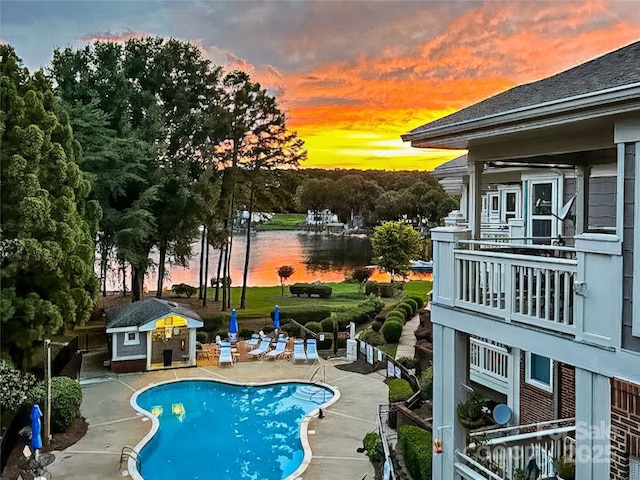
(207, 429)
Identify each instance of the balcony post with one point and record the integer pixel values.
(445, 241)
(450, 372)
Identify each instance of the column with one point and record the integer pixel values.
(593, 425)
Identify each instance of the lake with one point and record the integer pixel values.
(327, 258)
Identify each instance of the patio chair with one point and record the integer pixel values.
(225, 354)
(279, 350)
(264, 347)
(312, 350)
(253, 342)
(298, 351)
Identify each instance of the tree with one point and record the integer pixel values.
(48, 223)
(284, 272)
(394, 245)
(362, 276)
(312, 195)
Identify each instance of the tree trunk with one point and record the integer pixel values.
(104, 267)
(243, 295)
(217, 298)
(202, 246)
(124, 278)
(161, 260)
(206, 274)
(137, 283)
(224, 273)
(227, 283)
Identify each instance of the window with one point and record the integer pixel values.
(539, 371)
(510, 199)
(131, 338)
(634, 468)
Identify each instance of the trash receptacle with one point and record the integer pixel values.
(167, 354)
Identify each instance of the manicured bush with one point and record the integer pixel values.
(315, 327)
(372, 288)
(213, 323)
(419, 301)
(322, 291)
(387, 290)
(417, 450)
(184, 289)
(373, 445)
(392, 331)
(406, 309)
(202, 337)
(303, 314)
(328, 324)
(245, 333)
(414, 305)
(399, 390)
(372, 338)
(396, 315)
(66, 398)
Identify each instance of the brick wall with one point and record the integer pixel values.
(536, 405)
(566, 391)
(625, 427)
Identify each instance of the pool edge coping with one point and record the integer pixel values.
(304, 424)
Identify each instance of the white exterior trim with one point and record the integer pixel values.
(122, 329)
(128, 357)
(135, 341)
(534, 381)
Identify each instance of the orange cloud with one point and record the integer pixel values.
(121, 37)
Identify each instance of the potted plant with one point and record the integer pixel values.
(470, 411)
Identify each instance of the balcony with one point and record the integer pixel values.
(506, 453)
(488, 365)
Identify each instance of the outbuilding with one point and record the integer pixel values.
(151, 334)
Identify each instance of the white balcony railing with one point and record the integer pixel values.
(532, 289)
(502, 453)
(488, 365)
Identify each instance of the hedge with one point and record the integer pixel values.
(413, 304)
(392, 331)
(396, 315)
(304, 314)
(416, 445)
(372, 288)
(315, 327)
(419, 301)
(399, 390)
(322, 291)
(405, 308)
(183, 288)
(328, 324)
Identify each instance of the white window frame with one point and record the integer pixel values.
(493, 213)
(504, 191)
(135, 341)
(557, 192)
(534, 381)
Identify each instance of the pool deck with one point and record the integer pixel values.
(334, 439)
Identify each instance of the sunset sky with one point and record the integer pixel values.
(352, 75)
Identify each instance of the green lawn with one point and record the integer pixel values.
(284, 221)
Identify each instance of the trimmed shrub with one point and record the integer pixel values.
(373, 445)
(396, 315)
(392, 331)
(202, 337)
(372, 288)
(303, 314)
(419, 301)
(417, 450)
(322, 291)
(328, 324)
(406, 309)
(213, 323)
(245, 333)
(184, 289)
(387, 290)
(315, 327)
(413, 304)
(372, 338)
(399, 390)
(66, 398)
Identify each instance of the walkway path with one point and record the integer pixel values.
(407, 343)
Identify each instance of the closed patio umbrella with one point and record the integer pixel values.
(233, 325)
(36, 429)
(276, 319)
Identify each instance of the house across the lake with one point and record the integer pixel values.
(151, 334)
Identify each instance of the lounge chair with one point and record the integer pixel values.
(264, 347)
(298, 351)
(253, 341)
(225, 354)
(312, 350)
(279, 350)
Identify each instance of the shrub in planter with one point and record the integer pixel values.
(470, 411)
(399, 390)
(392, 331)
(417, 450)
(566, 469)
(373, 445)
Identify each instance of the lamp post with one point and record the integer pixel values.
(46, 430)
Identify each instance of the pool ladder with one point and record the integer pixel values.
(128, 452)
(315, 372)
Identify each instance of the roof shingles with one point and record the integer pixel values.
(140, 313)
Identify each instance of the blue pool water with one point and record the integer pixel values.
(219, 431)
